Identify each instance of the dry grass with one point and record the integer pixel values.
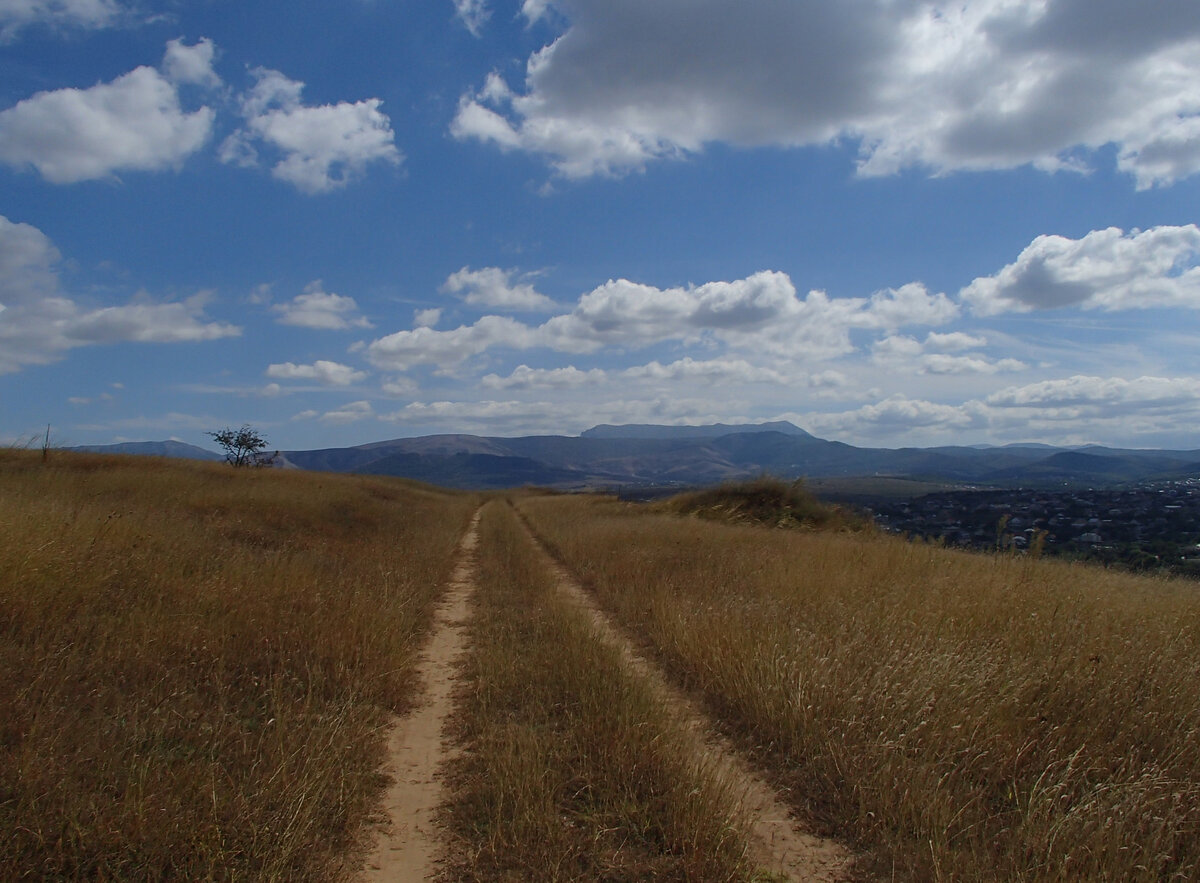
(766, 501)
(964, 716)
(196, 663)
(571, 771)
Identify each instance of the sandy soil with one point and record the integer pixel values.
(779, 844)
(408, 847)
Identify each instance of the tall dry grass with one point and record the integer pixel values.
(196, 663)
(571, 770)
(966, 717)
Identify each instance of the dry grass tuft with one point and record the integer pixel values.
(767, 501)
(570, 771)
(196, 663)
(964, 716)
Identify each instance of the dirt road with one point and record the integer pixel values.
(778, 844)
(408, 847)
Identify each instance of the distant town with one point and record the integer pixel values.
(1150, 527)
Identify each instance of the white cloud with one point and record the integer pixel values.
(940, 354)
(191, 64)
(493, 287)
(134, 123)
(315, 148)
(324, 372)
(1073, 396)
(351, 412)
(1106, 270)
(534, 10)
(983, 84)
(146, 322)
(895, 417)
(761, 314)
(525, 417)
(90, 14)
(474, 14)
(524, 377)
(401, 387)
(320, 309)
(41, 323)
(954, 342)
(401, 350)
(427, 318)
(708, 371)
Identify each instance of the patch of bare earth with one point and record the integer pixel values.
(409, 845)
(779, 845)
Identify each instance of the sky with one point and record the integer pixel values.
(891, 222)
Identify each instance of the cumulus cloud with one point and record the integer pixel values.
(427, 318)
(191, 64)
(424, 345)
(321, 309)
(134, 123)
(493, 287)
(473, 13)
(492, 417)
(897, 416)
(939, 354)
(707, 370)
(89, 14)
(315, 148)
(351, 412)
(1105, 270)
(524, 377)
(39, 323)
(399, 386)
(762, 312)
(1073, 396)
(984, 84)
(323, 372)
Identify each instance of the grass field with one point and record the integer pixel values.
(959, 716)
(198, 666)
(196, 663)
(572, 771)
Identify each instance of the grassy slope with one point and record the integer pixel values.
(964, 716)
(195, 663)
(571, 771)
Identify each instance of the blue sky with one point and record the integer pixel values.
(892, 222)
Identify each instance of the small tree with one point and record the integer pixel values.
(243, 447)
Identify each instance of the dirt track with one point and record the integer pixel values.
(408, 846)
(779, 845)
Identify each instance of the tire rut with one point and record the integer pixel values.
(778, 845)
(408, 846)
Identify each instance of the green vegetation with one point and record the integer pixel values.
(572, 771)
(766, 501)
(960, 716)
(197, 664)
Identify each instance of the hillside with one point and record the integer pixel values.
(647, 456)
(686, 456)
(565, 686)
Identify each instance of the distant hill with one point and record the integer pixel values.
(712, 430)
(649, 456)
(175, 449)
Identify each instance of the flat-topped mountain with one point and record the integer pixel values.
(712, 430)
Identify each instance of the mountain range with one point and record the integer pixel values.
(680, 456)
